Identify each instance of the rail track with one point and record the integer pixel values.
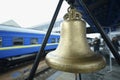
(22, 72)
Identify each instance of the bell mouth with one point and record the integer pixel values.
(76, 65)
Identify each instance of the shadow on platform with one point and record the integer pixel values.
(105, 74)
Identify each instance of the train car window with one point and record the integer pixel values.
(58, 39)
(0, 42)
(34, 40)
(17, 41)
(53, 40)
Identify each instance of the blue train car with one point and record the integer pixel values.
(16, 42)
(19, 41)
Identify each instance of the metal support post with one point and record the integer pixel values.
(110, 64)
(110, 55)
(78, 76)
(39, 55)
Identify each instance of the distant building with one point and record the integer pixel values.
(10, 23)
(44, 27)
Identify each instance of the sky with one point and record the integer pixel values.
(28, 13)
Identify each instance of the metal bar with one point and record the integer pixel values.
(75, 76)
(39, 55)
(110, 56)
(103, 34)
(80, 78)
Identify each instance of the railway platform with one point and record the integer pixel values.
(110, 72)
(21, 72)
(105, 74)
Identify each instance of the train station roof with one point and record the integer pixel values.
(106, 12)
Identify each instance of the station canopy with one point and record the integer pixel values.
(106, 12)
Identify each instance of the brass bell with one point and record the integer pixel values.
(73, 53)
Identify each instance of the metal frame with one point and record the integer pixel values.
(40, 53)
(103, 34)
(105, 37)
